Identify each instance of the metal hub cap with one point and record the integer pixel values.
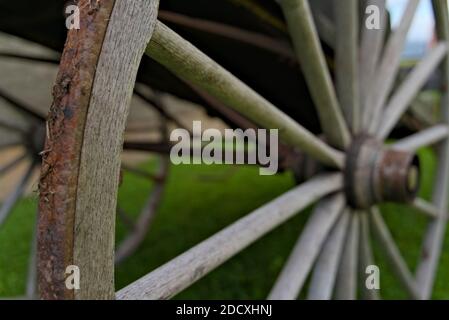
(375, 174)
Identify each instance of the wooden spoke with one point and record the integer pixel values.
(11, 127)
(231, 114)
(313, 64)
(10, 202)
(371, 46)
(426, 208)
(423, 138)
(125, 218)
(291, 280)
(433, 239)
(156, 147)
(190, 64)
(9, 138)
(326, 268)
(26, 110)
(160, 108)
(238, 34)
(346, 283)
(405, 94)
(10, 144)
(346, 63)
(12, 164)
(387, 69)
(388, 244)
(366, 257)
(143, 173)
(131, 243)
(325, 28)
(29, 58)
(178, 274)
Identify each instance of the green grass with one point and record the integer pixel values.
(201, 200)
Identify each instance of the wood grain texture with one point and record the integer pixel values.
(294, 274)
(181, 272)
(346, 63)
(366, 257)
(372, 43)
(387, 69)
(410, 88)
(426, 208)
(64, 139)
(190, 64)
(313, 64)
(346, 283)
(325, 272)
(395, 259)
(424, 138)
(129, 31)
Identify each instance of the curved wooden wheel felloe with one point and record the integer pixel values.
(80, 175)
(22, 138)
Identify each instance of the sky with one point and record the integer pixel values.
(421, 31)
(423, 23)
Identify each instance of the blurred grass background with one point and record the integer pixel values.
(201, 200)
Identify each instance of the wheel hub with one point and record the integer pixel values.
(375, 174)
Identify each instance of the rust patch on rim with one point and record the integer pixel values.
(61, 157)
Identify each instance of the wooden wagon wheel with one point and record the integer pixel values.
(80, 175)
(23, 127)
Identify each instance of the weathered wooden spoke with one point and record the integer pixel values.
(176, 275)
(143, 223)
(25, 109)
(370, 52)
(12, 164)
(155, 103)
(423, 138)
(409, 89)
(311, 58)
(388, 67)
(366, 257)
(255, 39)
(425, 207)
(389, 247)
(10, 141)
(306, 250)
(346, 282)
(347, 58)
(11, 127)
(24, 57)
(325, 272)
(143, 173)
(190, 64)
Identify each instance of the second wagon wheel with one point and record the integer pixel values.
(25, 101)
(80, 175)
